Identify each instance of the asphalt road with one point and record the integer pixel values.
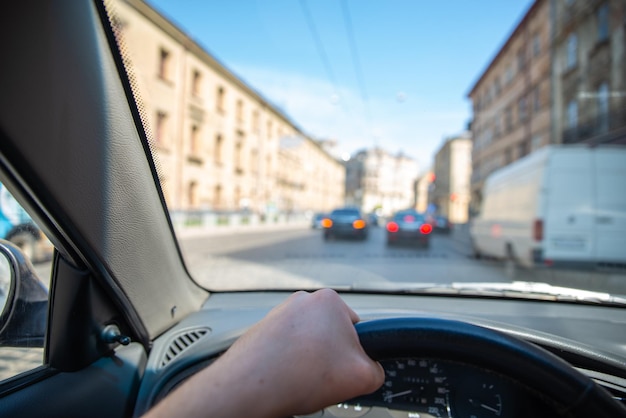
(300, 258)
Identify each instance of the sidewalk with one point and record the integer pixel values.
(222, 230)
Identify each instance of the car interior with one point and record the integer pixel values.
(126, 323)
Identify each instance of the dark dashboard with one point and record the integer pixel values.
(591, 338)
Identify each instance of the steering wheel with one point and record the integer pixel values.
(569, 391)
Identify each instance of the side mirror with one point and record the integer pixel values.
(23, 300)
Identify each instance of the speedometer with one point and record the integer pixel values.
(417, 386)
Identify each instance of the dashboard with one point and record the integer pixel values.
(591, 338)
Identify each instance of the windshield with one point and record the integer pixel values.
(499, 127)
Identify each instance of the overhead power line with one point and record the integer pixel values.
(354, 52)
(318, 44)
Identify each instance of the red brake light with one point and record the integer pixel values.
(358, 224)
(409, 218)
(426, 229)
(327, 223)
(392, 227)
(538, 230)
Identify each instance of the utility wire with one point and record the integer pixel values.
(354, 52)
(318, 44)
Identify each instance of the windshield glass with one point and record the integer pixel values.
(499, 126)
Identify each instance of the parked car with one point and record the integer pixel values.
(18, 227)
(441, 224)
(561, 205)
(346, 223)
(409, 227)
(316, 220)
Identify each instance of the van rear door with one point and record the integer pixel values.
(569, 204)
(610, 216)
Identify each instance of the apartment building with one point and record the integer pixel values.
(511, 98)
(219, 145)
(450, 192)
(377, 180)
(589, 71)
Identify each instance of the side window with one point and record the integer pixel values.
(22, 330)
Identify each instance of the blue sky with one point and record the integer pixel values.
(417, 61)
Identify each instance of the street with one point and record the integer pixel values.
(300, 258)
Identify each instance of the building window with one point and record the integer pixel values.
(572, 51)
(194, 140)
(603, 107)
(196, 83)
(161, 128)
(239, 110)
(219, 101)
(522, 111)
(521, 60)
(522, 149)
(217, 197)
(219, 145)
(508, 156)
(497, 125)
(572, 114)
(239, 153)
(165, 64)
(508, 74)
(536, 99)
(603, 22)
(536, 45)
(192, 194)
(255, 121)
(508, 119)
(496, 85)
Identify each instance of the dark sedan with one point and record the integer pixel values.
(345, 222)
(409, 227)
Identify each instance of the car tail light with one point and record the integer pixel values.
(327, 223)
(538, 230)
(426, 228)
(358, 224)
(409, 218)
(392, 227)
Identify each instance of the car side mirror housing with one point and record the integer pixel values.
(23, 300)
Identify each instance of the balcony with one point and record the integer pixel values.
(598, 129)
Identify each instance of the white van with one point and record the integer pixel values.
(561, 205)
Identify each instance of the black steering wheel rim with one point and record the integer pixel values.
(556, 381)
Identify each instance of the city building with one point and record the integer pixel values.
(511, 98)
(218, 143)
(589, 71)
(450, 191)
(423, 186)
(377, 180)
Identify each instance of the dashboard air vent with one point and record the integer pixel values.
(181, 343)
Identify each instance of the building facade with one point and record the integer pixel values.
(378, 181)
(589, 71)
(451, 189)
(219, 145)
(511, 99)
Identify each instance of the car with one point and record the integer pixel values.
(442, 224)
(409, 227)
(345, 223)
(316, 220)
(124, 314)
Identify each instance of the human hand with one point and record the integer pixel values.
(303, 356)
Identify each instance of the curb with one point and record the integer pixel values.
(215, 231)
